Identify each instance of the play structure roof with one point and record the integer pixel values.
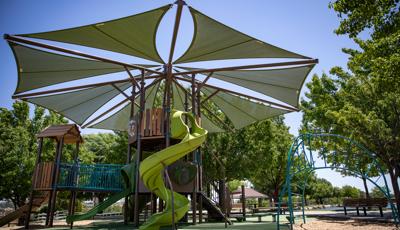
(249, 193)
(41, 72)
(70, 132)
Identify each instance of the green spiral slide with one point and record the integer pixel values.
(151, 169)
(151, 172)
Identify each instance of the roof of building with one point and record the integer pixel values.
(249, 193)
(70, 132)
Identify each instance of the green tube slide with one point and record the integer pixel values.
(152, 168)
(128, 173)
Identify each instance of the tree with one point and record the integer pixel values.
(321, 189)
(348, 191)
(377, 193)
(269, 141)
(257, 153)
(18, 148)
(363, 103)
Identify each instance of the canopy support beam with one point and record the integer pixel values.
(22, 96)
(218, 119)
(178, 16)
(204, 82)
(132, 77)
(77, 53)
(122, 92)
(302, 62)
(209, 96)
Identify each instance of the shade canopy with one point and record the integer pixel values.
(213, 40)
(241, 111)
(90, 105)
(38, 68)
(81, 104)
(283, 84)
(119, 120)
(134, 35)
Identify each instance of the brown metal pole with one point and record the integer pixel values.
(243, 202)
(267, 65)
(178, 15)
(129, 152)
(26, 95)
(204, 81)
(139, 147)
(56, 48)
(71, 211)
(194, 194)
(168, 81)
(199, 158)
(55, 179)
(31, 196)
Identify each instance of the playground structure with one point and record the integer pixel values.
(151, 105)
(305, 156)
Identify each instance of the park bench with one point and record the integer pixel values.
(259, 215)
(238, 217)
(365, 203)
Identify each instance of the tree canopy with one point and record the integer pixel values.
(363, 102)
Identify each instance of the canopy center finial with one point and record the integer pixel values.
(180, 2)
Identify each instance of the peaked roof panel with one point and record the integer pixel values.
(283, 84)
(120, 119)
(215, 41)
(133, 35)
(38, 68)
(79, 105)
(241, 111)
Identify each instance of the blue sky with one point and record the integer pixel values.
(305, 27)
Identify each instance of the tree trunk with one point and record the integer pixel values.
(394, 175)
(366, 188)
(271, 201)
(221, 195)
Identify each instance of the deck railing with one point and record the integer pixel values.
(91, 177)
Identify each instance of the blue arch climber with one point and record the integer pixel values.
(311, 152)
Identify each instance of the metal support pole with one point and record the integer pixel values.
(139, 147)
(55, 179)
(72, 202)
(244, 202)
(194, 193)
(129, 152)
(168, 136)
(199, 159)
(38, 160)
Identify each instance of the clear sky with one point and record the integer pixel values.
(305, 27)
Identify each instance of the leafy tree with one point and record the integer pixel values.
(101, 145)
(257, 153)
(364, 102)
(377, 193)
(268, 141)
(321, 189)
(350, 192)
(18, 148)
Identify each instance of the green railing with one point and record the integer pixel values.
(94, 177)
